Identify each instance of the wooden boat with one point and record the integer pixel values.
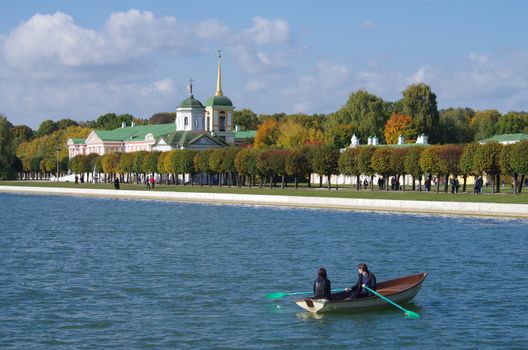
(398, 290)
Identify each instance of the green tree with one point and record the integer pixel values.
(450, 156)
(519, 161)
(513, 123)
(432, 163)
(324, 160)
(64, 124)
(484, 123)
(349, 164)
(46, 127)
(365, 162)
(466, 162)
(163, 118)
(21, 134)
(246, 165)
(411, 165)
(296, 165)
(419, 102)
(187, 164)
(365, 111)
(246, 119)
(454, 125)
(339, 135)
(7, 152)
(381, 163)
(487, 160)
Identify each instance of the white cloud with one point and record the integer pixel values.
(422, 75)
(265, 31)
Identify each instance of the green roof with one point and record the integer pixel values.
(78, 141)
(218, 101)
(134, 133)
(245, 134)
(190, 102)
(184, 138)
(507, 138)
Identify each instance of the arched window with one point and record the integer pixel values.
(222, 121)
(186, 121)
(196, 123)
(207, 124)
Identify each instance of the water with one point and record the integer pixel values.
(85, 273)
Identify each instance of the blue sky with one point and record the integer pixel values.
(81, 59)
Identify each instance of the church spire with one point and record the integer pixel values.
(219, 78)
(189, 88)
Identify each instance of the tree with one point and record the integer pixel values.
(411, 165)
(65, 124)
(450, 156)
(519, 161)
(246, 119)
(21, 134)
(398, 124)
(349, 164)
(246, 164)
(419, 102)
(381, 162)
(46, 127)
(397, 164)
(432, 163)
(466, 162)
(325, 161)
(292, 135)
(267, 134)
(110, 121)
(7, 154)
(163, 118)
(513, 123)
(339, 135)
(454, 125)
(486, 160)
(365, 111)
(484, 123)
(187, 164)
(365, 162)
(297, 165)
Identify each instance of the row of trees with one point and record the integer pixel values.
(247, 166)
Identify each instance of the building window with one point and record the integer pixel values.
(196, 123)
(207, 126)
(222, 121)
(186, 121)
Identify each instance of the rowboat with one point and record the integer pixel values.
(398, 290)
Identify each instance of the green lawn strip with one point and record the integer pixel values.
(302, 191)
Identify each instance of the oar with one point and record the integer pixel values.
(408, 313)
(278, 295)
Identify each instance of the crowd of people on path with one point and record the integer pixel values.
(322, 287)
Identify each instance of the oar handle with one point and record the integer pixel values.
(384, 298)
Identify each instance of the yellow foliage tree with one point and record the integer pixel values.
(398, 124)
(267, 134)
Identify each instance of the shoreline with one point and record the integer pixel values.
(354, 204)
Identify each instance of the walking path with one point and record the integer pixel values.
(378, 205)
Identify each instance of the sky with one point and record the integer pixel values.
(78, 60)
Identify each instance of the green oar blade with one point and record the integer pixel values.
(411, 314)
(276, 295)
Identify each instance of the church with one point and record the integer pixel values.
(197, 126)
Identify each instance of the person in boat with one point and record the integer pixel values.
(365, 277)
(322, 286)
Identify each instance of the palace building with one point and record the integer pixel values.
(196, 127)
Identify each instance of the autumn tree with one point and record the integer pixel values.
(267, 134)
(513, 123)
(246, 165)
(398, 124)
(466, 162)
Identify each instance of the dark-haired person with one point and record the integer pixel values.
(322, 288)
(365, 277)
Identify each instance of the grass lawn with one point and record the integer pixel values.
(343, 192)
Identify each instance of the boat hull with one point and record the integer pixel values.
(407, 293)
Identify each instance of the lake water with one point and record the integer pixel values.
(86, 273)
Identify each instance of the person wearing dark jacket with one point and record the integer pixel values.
(365, 277)
(322, 288)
